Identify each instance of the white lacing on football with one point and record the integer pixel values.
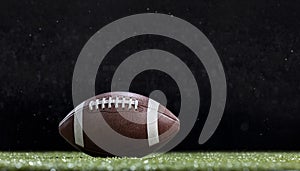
(113, 101)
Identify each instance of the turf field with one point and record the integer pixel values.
(209, 161)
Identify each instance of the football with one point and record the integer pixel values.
(119, 124)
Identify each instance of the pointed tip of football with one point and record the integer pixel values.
(66, 126)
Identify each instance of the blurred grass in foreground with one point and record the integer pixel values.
(246, 161)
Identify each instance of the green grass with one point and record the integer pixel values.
(208, 161)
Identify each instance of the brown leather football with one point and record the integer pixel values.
(119, 124)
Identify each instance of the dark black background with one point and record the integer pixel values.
(257, 41)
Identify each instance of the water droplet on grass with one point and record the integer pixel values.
(18, 165)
